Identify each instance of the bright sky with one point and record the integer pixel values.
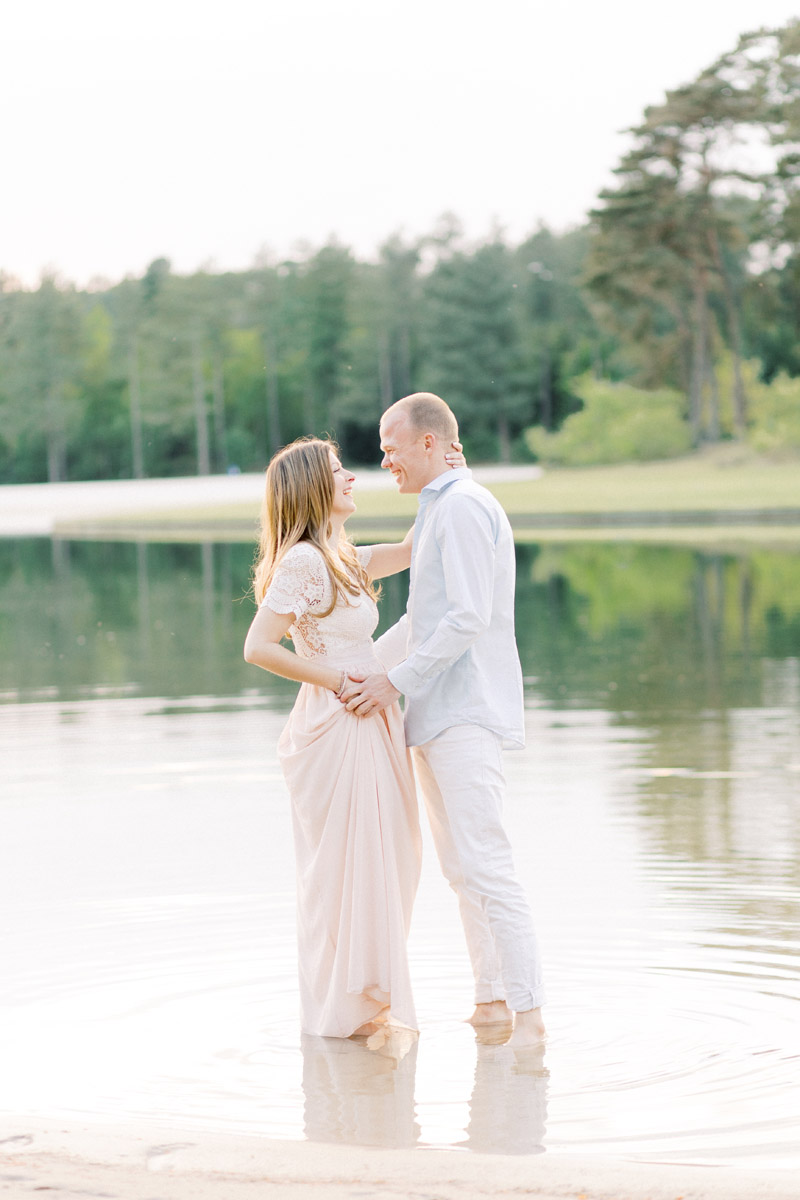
(207, 132)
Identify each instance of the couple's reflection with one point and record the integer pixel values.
(508, 1106)
(361, 1092)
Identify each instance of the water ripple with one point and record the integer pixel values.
(150, 965)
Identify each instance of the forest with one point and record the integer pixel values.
(669, 320)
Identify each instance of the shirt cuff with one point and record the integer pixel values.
(405, 679)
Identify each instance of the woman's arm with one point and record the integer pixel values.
(262, 648)
(390, 557)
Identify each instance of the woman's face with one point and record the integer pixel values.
(343, 504)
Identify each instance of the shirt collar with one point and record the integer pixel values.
(444, 480)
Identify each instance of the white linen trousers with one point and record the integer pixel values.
(460, 774)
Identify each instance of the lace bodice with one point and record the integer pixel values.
(301, 585)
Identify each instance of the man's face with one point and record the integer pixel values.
(404, 453)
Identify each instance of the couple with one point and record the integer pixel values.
(344, 750)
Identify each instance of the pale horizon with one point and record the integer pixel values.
(212, 144)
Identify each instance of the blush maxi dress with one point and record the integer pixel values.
(354, 815)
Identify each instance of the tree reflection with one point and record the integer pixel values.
(629, 628)
(159, 619)
(701, 650)
(355, 1095)
(642, 628)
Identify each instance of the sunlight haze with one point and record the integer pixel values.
(210, 134)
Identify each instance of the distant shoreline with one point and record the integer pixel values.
(44, 509)
(725, 494)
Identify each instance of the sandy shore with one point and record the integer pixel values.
(34, 509)
(66, 1158)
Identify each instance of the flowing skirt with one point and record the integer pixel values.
(358, 848)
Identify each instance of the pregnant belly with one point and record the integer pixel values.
(360, 658)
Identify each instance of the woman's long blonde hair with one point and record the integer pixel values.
(298, 502)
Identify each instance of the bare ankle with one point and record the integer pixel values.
(491, 1012)
(528, 1028)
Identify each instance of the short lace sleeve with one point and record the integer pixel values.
(364, 555)
(299, 583)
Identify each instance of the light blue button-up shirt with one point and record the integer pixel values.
(454, 655)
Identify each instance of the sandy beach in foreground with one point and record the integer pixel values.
(65, 1158)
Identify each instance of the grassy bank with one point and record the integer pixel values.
(705, 483)
(678, 485)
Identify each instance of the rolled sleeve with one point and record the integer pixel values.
(392, 646)
(467, 547)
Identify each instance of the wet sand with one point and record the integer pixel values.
(166, 1163)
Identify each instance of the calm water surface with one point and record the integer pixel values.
(146, 875)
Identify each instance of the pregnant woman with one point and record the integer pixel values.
(354, 807)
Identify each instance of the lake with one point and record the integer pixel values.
(146, 873)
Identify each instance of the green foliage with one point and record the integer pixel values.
(168, 374)
(40, 365)
(617, 423)
(775, 415)
(750, 373)
(686, 284)
(471, 345)
(675, 241)
(558, 335)
(328, 283)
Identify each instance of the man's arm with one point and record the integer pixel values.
(391, 649)
(392, 646)
(467, 545)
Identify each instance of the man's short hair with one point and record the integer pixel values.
(428, 414)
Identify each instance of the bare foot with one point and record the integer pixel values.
(378, 1039)
(493, 1035)
(370, 1027)
(495, 1012)
(392, 1042)
(528, 1028)
(529, 1060)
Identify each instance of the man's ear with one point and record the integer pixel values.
(430, 441)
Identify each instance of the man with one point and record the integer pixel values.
(454, 658)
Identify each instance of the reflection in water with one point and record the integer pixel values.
(360, 1092)
(361, 1095)
(150, 965)
(508, 1107)
(655, 815)
(638, 627)
(152, 619)
(631, 628)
